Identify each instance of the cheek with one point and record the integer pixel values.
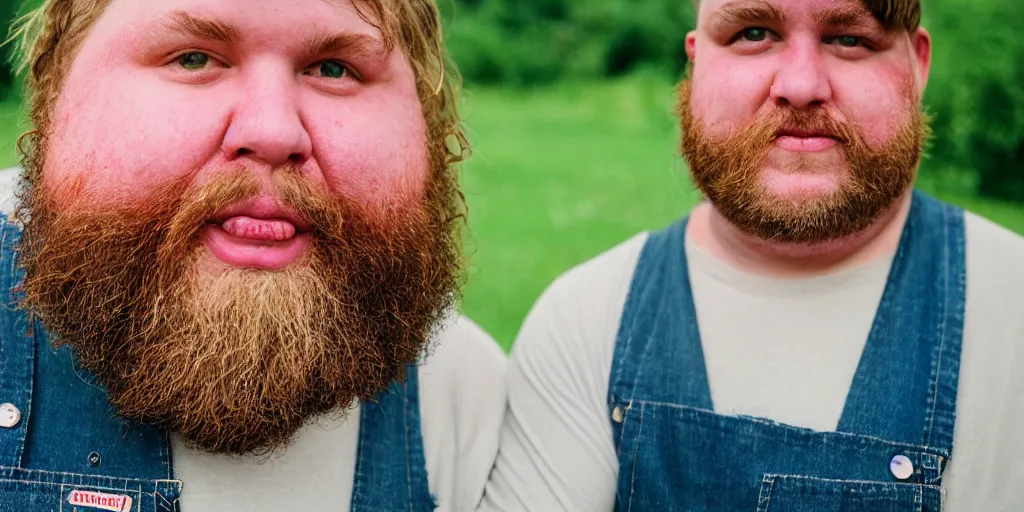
(877, 101)
(727, 95)
(373, 150)
(126, 140)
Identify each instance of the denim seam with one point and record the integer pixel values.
(764, 500)
(842, 481)
(940, 348)
(168, 461)
(408, 447)
(30, 379)
(620, 386)
(922, 448)
(636, 450)
(66, 484)
(948, 353)
(920, 498)
(42, 472)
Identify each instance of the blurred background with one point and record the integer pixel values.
(568, 104)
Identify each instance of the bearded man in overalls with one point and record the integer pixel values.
(815, 336)
(237, 237)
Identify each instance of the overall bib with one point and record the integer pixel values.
(895, 435)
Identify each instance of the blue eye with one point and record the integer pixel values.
(329, 69)
(193, 60)
(332, 69)
(754, 34)
(848, 41)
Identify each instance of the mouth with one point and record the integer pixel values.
(806, 140)
(257, 234)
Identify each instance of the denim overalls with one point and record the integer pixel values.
(61, 445)
(895, 434)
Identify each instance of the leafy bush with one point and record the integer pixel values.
(530, 42)
(8, 10)
(975, 95)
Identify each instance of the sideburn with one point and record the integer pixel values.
(237, 362)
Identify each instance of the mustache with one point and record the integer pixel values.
(192, 208)
(816, 122)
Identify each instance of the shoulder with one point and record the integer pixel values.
(582, 307)
(613, 267)
(462, 406)
(989, 409)
(462, 379)
(462, 354)
(995, 270)
(596, 286)
(8, 188)
(990, 245)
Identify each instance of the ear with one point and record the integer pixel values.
(921, 42)
(691, 45)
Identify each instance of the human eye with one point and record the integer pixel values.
(194, 61)
(753, 34)
(331, 70)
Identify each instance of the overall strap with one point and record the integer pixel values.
(391, 468)
(905, 388)
(658, 354)
(17, 353)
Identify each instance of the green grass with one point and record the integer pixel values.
(561, 174)
(10, 128)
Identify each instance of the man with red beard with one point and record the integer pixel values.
(231, 274)
(816, 335)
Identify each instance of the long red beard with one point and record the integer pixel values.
(729, 172)
(237, 362)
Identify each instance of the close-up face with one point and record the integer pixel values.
(188, 90)
(241, 214)
(832, 88)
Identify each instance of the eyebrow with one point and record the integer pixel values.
(204, 28)
(320, 44)
(359, 44)
(750, 12)
(845, 16)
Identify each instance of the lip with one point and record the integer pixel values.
(805, 141)
(256, 252)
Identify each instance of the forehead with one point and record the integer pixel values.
(255, 18)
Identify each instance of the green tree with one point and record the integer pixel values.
(8, 11)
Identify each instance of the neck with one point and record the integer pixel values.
(713, 233)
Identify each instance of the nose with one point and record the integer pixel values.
(802, 80)
(266, 124)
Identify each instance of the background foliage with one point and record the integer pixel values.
(976, 93)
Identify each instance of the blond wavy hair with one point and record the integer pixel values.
(49, 37)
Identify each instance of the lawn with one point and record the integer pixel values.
(561, 174)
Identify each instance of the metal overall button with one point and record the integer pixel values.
(10, 416)
(901, 467)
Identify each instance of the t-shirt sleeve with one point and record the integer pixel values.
(557, 451)
(986, 471)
